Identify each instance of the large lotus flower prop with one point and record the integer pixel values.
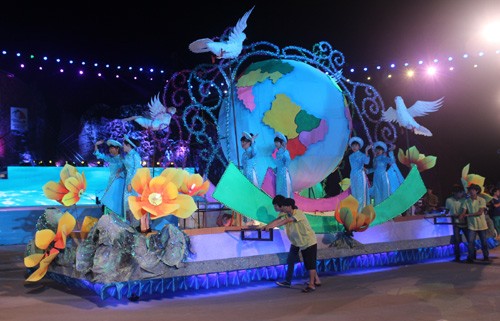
(469, 179)
(70, 187)
(351, 219)
(159, 196)
(413, 157)
(51, 244)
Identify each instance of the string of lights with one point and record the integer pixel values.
(30, 62)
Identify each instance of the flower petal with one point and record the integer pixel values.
(67, 171)
(158, 184)
(161, 210)
(54, 191)
(43, 238)
(88, 223)
(42, 270)
(187, 206)
(65, 226)
(141, 178)
(175, 175)
(70, 199)
(170, 192)
(33, 259)
(427, 163)
(73, 184)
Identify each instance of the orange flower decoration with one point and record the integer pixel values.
(413, 157)
(51, 243)
(159, 196)
(351, 219)
(194, 185)
(70, 187)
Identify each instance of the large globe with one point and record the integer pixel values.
(297, 100)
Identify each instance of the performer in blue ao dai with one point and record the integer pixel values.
(132, 162)
(359, 180)
(381, 187)
(112, 197)
(248, 158)
(282, 161)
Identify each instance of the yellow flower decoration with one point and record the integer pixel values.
(351, 219)
(469, 179)
(345, 183)
(413, 157)
(194, 185)
(159, 196)
(51, 243)
(69, 189)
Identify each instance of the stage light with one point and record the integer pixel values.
(393, 65)
(491, 32)
(410, 73)
(389, 76)
(368, 78)
(431, 71)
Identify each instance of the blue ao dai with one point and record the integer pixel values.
(283, 179)
(112, 196)
(359, 180)
(132, 162)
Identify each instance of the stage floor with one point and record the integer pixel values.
(439, 290)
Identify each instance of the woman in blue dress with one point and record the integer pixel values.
(381, 187)
(359, 180)
(248, 159)
(112, 198)
(282, 161)
(132, 162)
(249, 164)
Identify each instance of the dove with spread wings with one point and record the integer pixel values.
(160, 115)
(405, 117)
(228, 49)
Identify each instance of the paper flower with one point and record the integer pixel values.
(159, 196)
(70, 187)
(345, 183)
(51, 243)
(350, 218)
(194, 185)
(413, 157)
(469, 179)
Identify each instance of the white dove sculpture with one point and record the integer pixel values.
(406, 116)
(160, 116)
(224, 49)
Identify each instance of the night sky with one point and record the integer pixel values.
(369, 33)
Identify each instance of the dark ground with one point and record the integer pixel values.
(441, 290)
